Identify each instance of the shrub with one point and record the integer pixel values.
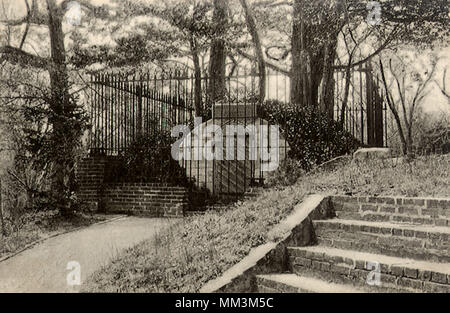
(25, 191)
(287, 174)
(312, 137)
(147, 159)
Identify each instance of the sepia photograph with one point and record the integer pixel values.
(224, 155)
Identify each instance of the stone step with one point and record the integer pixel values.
(430, 243)
(291, 283)
(361, 269)
(415, 219)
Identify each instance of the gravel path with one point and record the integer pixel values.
(44, 268)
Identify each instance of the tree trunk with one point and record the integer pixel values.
(314, 44)
(328, 81)
(251, 25)
(346, 94)
(308, 58)
(217, 88)
(409, 139)
(394, 111)
(409, 147)
(2, 221)
(197, 79)
(300, 58)
(61, 108)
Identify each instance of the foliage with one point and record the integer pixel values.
(56, 122)
(313, 139)
(162, 31)
(424, 22)
(431, 133)
(34, 146)
(407, 84)
(147, 159)
(287, 174)
(42, 148)
(174, 29)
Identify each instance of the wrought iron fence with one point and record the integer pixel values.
(125, 109)
(360, 106)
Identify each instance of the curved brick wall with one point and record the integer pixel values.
(149, 199)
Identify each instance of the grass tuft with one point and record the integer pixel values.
(423, 177)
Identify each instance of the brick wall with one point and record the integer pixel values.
(399, 209)
(154, 200)
(90, 174)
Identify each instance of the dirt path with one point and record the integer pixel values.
(44, 268)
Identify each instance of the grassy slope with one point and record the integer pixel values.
(423, 177)
(195, 250)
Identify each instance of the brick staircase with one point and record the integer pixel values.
(403, 242)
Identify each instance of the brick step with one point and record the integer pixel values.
(291, 283)
(407, 210)
(430, 243)
(353, 267)
(394, 218)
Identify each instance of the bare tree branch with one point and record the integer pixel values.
(27, 28)
(268, 64)
(282, 58)
(391, 104)
(252, 28)
(443, 88)
(34, 16)
(376, 52)
(400, 88)
(272, 4)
